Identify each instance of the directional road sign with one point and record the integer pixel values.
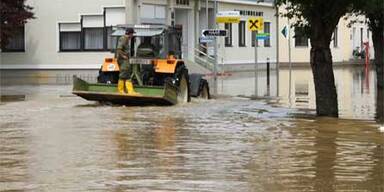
(263, 36)
(255, 23)
(228, 17)
(214, 32)
(284, 31)
(206, 39)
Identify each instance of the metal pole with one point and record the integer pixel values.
(277, 50)
(256, 80)
(215, 48)
(206, 13)
(290, 63)
(268, 77)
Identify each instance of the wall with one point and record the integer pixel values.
(246, 55)
(42, 36)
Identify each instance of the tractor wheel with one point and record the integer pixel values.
(204, 90)
(183, 95)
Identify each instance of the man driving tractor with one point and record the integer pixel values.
(123, 51)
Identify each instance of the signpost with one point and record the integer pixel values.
(262, 36)
(286, 32)
(215, 51)
(220, 17)
(214, 32)
(256, 24)
(206, 39)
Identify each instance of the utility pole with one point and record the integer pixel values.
(290, 63)
(215, 54)
(256, 67)
(277, 48)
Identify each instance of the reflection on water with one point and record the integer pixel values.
(68, 144)
(356, 88)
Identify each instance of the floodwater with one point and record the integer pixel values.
(52, 141)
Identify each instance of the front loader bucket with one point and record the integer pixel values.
(149, 95)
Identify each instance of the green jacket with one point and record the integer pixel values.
(123, 47)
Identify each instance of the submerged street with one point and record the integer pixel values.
(54, 141)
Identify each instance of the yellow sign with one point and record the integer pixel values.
(227, 19)
(255, 23)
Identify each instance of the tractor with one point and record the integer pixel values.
(159, 73)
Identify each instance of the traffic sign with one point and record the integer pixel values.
(263, 36)
(214, 32)
(228, 17)
(284, 31)
(255, 23)
(206, 39)
(228, 14)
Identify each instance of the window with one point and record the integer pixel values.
(335, 37)
(228, 38)
(242, 34)
(182, 2)
(301, 40)
(93, 39)
(267, 29)
(70, 36)
(16, 42)
(70, 41)
(250, 13)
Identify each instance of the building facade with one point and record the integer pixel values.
(76, 34)
(348, 37)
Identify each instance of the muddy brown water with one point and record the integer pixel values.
(53, 141)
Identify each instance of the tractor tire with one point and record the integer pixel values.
(182, 82)
(204, 90)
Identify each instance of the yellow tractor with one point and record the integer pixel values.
(159, 75)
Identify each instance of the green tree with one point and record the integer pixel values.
(318, 19)
(14, 14)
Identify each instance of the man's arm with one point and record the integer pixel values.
(120, 48)
(122, 54)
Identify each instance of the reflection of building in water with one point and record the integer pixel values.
(302, 88)
(355, 88)
(244, 83)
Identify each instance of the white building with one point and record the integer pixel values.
(345, 39)
(74, 34)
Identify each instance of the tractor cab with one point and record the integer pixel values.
(154, 49)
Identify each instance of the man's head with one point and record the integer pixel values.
(129, 32)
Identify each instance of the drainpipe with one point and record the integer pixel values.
(170, 12)
(206, 13)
